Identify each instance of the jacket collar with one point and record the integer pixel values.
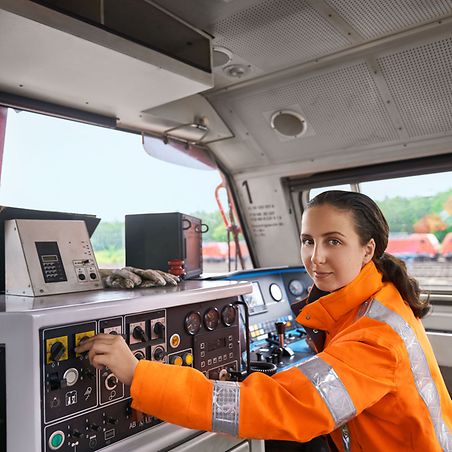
(328, 309)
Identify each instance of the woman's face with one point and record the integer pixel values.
(330, 247)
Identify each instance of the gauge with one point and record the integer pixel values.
(276, 292)
(211, 318)
(193, 322)
(296, 287)
(228, 315)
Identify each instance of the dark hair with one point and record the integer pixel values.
(370, 223)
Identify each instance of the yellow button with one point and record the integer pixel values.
(176, 360)
(175, 340)
(188, 358)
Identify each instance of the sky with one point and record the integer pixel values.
(54, 164)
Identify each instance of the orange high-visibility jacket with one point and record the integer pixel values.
(376, 386)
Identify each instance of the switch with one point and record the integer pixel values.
(82, 337)
(139, 354)
(159, 330)
(139, 334)
(76, 433)
(54, 381)
(57, 351)
(112, 420)
(111, 382)
(71, 376)
(159, 353)
(56, 440)
(176, 360)
(188, 359)
(94, 427)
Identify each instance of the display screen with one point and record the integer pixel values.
(49, 258)
(254, 300)
(216, 344)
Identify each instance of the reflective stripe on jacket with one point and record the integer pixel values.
(376, 385)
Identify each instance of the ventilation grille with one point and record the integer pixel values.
(420, 82)
(275, 33)
(372, 19)
(343, 107)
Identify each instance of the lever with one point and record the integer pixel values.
(281, 330)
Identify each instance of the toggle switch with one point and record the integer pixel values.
(54, 381)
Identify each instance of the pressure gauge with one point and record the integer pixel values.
(296, 287)
(193, 323)
(276, 292)
(211, 318)
(228, 315)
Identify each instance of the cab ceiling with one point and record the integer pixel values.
(372, 79)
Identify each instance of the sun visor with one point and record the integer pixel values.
(180, 153)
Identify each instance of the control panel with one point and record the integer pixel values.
(275, 336)
(87, 409)
(44, 257)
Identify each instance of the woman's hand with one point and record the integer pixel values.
(108, 350)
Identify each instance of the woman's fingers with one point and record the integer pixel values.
(107, 350)
(88, 343)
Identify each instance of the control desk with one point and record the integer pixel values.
(54, 400)
(275, 336)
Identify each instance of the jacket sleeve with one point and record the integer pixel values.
(299, 404)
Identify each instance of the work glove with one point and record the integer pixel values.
(131, 278)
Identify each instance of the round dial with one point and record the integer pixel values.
(193, 322)
(276, 292)
(211, 318)
(228, 315)
(296, 287)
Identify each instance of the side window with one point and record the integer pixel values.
(419, 213)
(313, 192)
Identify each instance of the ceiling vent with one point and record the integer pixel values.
(288, 123)
(221, 56)
(101, 56)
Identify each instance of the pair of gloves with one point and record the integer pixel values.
(131, 277)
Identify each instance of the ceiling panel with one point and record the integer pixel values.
(278, 33)
(343, 109)
(373, 19)
(420, 82)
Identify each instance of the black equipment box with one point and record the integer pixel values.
(153, 239)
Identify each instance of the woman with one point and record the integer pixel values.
(374, 384)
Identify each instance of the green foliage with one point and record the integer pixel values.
(402, 213)
(110, 257)
(217, 229)
(108, 236)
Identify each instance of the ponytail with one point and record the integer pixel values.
(394, 270)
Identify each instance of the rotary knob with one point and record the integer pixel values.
(159, 330)
(57, 351)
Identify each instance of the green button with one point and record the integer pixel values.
(57, 440)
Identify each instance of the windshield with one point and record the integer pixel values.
(60, 165)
